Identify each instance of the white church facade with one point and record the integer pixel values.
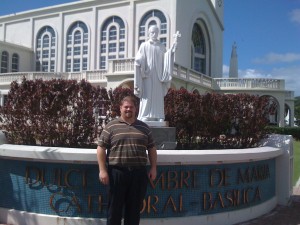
(97, 40)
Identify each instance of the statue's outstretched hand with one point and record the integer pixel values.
(137, 92)
(176, 36)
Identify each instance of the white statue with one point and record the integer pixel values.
(153, 75)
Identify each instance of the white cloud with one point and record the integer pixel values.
(248, 73)
(278, 58)
(291, 75)
(225, 70)
(295, 15)
(252, 73)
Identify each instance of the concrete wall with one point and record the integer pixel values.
(276, 151)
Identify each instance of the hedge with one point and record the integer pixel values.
(65, 113)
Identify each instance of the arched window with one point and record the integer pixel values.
(77, 47)
(112, 41)
(199, 53)
(15, 63)
(4, 62)
(154, 17)
(46, 50)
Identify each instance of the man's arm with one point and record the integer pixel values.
(101, 157)
(152, 155)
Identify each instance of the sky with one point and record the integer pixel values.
(266, 32)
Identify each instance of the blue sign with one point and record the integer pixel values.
(179, 190)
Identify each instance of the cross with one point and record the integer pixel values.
(176, 36)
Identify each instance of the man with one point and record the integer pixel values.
(126, 140)
(153, 75)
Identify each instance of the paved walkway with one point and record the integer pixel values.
(281, 215)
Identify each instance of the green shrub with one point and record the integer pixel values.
(294, 131)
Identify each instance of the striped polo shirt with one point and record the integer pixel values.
(126, 144)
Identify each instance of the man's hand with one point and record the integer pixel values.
(152, 154)
(103, 177)
(101, 157)
(152, 173)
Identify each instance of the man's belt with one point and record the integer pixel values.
(127, 168)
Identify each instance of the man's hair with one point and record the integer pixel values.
(129, 98)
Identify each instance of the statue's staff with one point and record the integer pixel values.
(175, 36)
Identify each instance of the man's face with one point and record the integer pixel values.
(128, 110)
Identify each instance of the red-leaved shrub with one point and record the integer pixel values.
(66, 113)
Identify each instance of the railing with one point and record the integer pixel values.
(183, 73)
(126, 66)
(192, 76)
(91, 76)
(18, 76)
(44, 76)
(249, 83)
(121, 65)
(97, 75)
(10, 77)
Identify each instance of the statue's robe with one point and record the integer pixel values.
(152, 79)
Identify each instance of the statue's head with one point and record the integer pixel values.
(153, 32)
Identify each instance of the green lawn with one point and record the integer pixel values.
(296, 161)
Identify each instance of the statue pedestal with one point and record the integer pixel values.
(165, 137)
(157, 123)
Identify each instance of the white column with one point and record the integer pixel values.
(284, 170)
(131, 30)
(93, 47)
(60, 44)
(281, 112)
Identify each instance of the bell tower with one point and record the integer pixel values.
(233, 68)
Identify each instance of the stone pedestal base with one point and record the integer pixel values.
(157, 123)
(165, 137)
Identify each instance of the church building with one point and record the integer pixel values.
(97, 40)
